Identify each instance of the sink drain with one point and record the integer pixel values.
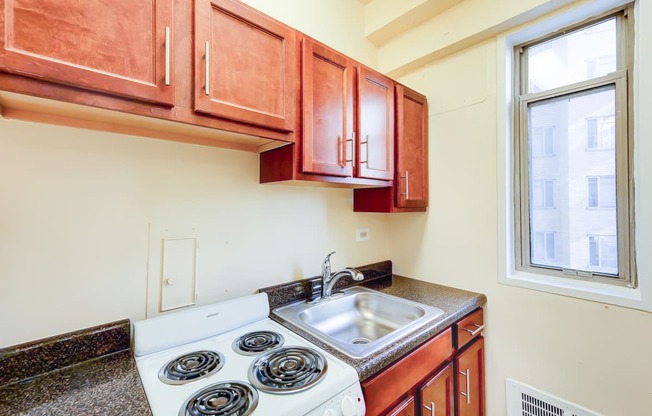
(360, 340)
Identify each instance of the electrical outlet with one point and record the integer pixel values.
(362, 234)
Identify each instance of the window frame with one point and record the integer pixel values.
(623, 90)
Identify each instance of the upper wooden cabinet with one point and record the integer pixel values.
(411, 149)
(346, 124)
(245, 65)
(376, 125)
(121, 48)
(327, 82)
(410, 190)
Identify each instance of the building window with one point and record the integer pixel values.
(603, 253)
(543, 141)
(601, 132)
(543, 194)
(543, 247)
(573, 96)
(601, 191)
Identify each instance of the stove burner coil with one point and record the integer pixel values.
(191, 367)
(287, 370)
(227, 398)
(253, 343)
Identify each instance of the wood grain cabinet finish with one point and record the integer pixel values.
(469, 366)
(411, 148)
(410, 190)
(436, 396)
(327, 95)
(376, 125)
(329, 147)
(121, 48)
(389, 386)
(245, 65)
(407, 407)
(467, 329)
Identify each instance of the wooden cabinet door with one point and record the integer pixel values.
(245, 65)
(411, 148)
(117, 47)
(470, 380)
(328, 136)
(376, 125)
(406, 407)
(436, 396)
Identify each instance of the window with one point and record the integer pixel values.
(601, 132)
(603, 253)
(573, 96)
(543, 194)
(602, 192)
(544, 246)
(543, 141)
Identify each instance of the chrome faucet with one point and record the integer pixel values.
(329, 279)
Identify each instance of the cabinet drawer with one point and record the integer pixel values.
(391, 384)
(468, 328)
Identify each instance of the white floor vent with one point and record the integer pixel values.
(524, 400)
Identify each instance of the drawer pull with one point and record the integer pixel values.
(207, 80)
(467, 393)
(352, 140)
(407, 185)
(167, 55)
(431, 408)
(474, 332)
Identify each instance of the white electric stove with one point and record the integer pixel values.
(230, 359)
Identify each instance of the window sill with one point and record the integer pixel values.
(597, 292)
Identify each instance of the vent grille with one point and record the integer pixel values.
(532, 406)
(524, 400)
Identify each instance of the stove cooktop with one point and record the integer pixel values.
(222, 379)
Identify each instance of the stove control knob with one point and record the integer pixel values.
(349, 407)
(330, 412)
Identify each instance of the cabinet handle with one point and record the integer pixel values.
(407, 185)
(467, 394)
(207, 81)
(167, 55)
(431, 408)
(366, 147)
(352, 140)
(476, 331)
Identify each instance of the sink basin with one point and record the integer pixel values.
(360, 321)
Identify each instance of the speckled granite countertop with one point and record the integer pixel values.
(454, 302)
(87, 372)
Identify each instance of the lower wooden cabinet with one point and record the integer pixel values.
(436, 396)
(469, 367)
(407, 407)
(442, 377)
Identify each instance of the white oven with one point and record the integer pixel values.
(229, 358)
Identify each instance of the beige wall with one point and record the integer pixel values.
(592, 354)
(76, 206)
(337, 23)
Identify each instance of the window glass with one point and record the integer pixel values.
(585, 54)
(564, 181)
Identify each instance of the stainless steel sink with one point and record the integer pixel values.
(360, 321)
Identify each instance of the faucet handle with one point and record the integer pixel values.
(326, 266)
